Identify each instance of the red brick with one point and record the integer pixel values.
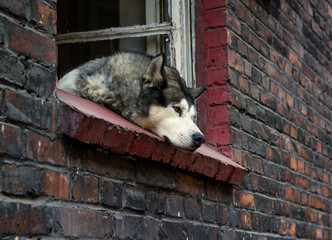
(244, 84)
(289, 193)
(295, 60)
(293, 132)
(86, 189)
(269, 153)
(215, 18)
(211, 4)
(290, 100)
(218, 136)
(83, 223)
(268, 100)
(143, 146)
(292, 228)
(283, 227)
(163, 152)
(217, 96)
(233, 23)
(272, 71)
(42, 149)
(243, 199)
(216, 76)
(219, 115)
(55, 184)
(235, 61)
(205, 165)
(245, 219)
(44, 16)
(293, 163)
(33, 45)
(215, 38)
(10, 140)
(182, 159)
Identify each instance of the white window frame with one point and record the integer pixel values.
(180, 31)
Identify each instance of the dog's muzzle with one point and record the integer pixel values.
(198, 139)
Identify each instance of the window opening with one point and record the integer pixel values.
(89, 29)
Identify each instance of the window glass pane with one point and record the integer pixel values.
(74, 54)
(85, 15)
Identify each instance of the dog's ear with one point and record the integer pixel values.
(197, 92)
(154, 74)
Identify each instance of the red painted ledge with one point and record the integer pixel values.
(91, 123)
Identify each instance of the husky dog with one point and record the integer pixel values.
(143, 90)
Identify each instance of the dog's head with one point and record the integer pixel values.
(167, 106)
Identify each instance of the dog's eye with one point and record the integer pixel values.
(178, 110)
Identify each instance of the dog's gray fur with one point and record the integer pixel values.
(143, 90)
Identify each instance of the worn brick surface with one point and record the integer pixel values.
(11, 68)
(55, 184)
(11, 140)
(274, 115)
(111, 194)
(86, 189)
(267, 67)
(24, 219)
(130, 227)
(83, 223)
(32, 44)
(21, 180)
(29, 110)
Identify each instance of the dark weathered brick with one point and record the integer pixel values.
(44, 15)
(175, 230)
(40, 80)
(156, 202)
(111, 194)
(86, 189)
(134, 227)
(208, 212)
(21, 180)
(189, 184)
(205, 232)
(156, 175)
(18, 218)
(32, 44)
(192, 209)
(174, 205)
(134, 198)
(11, 68)
(29, 110)
(110, 165)
(83, 223)
(14, 6)
(11, 140)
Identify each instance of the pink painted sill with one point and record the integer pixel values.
(91, 123)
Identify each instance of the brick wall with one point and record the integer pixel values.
(268, 69)
(280, 72)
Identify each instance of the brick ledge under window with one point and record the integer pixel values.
(91, 123)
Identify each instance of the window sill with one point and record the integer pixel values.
(91, 123)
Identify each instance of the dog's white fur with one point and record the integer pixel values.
(167, 122)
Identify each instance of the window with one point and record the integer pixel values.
(94, 28)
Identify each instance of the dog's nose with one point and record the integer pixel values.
(198, 139)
